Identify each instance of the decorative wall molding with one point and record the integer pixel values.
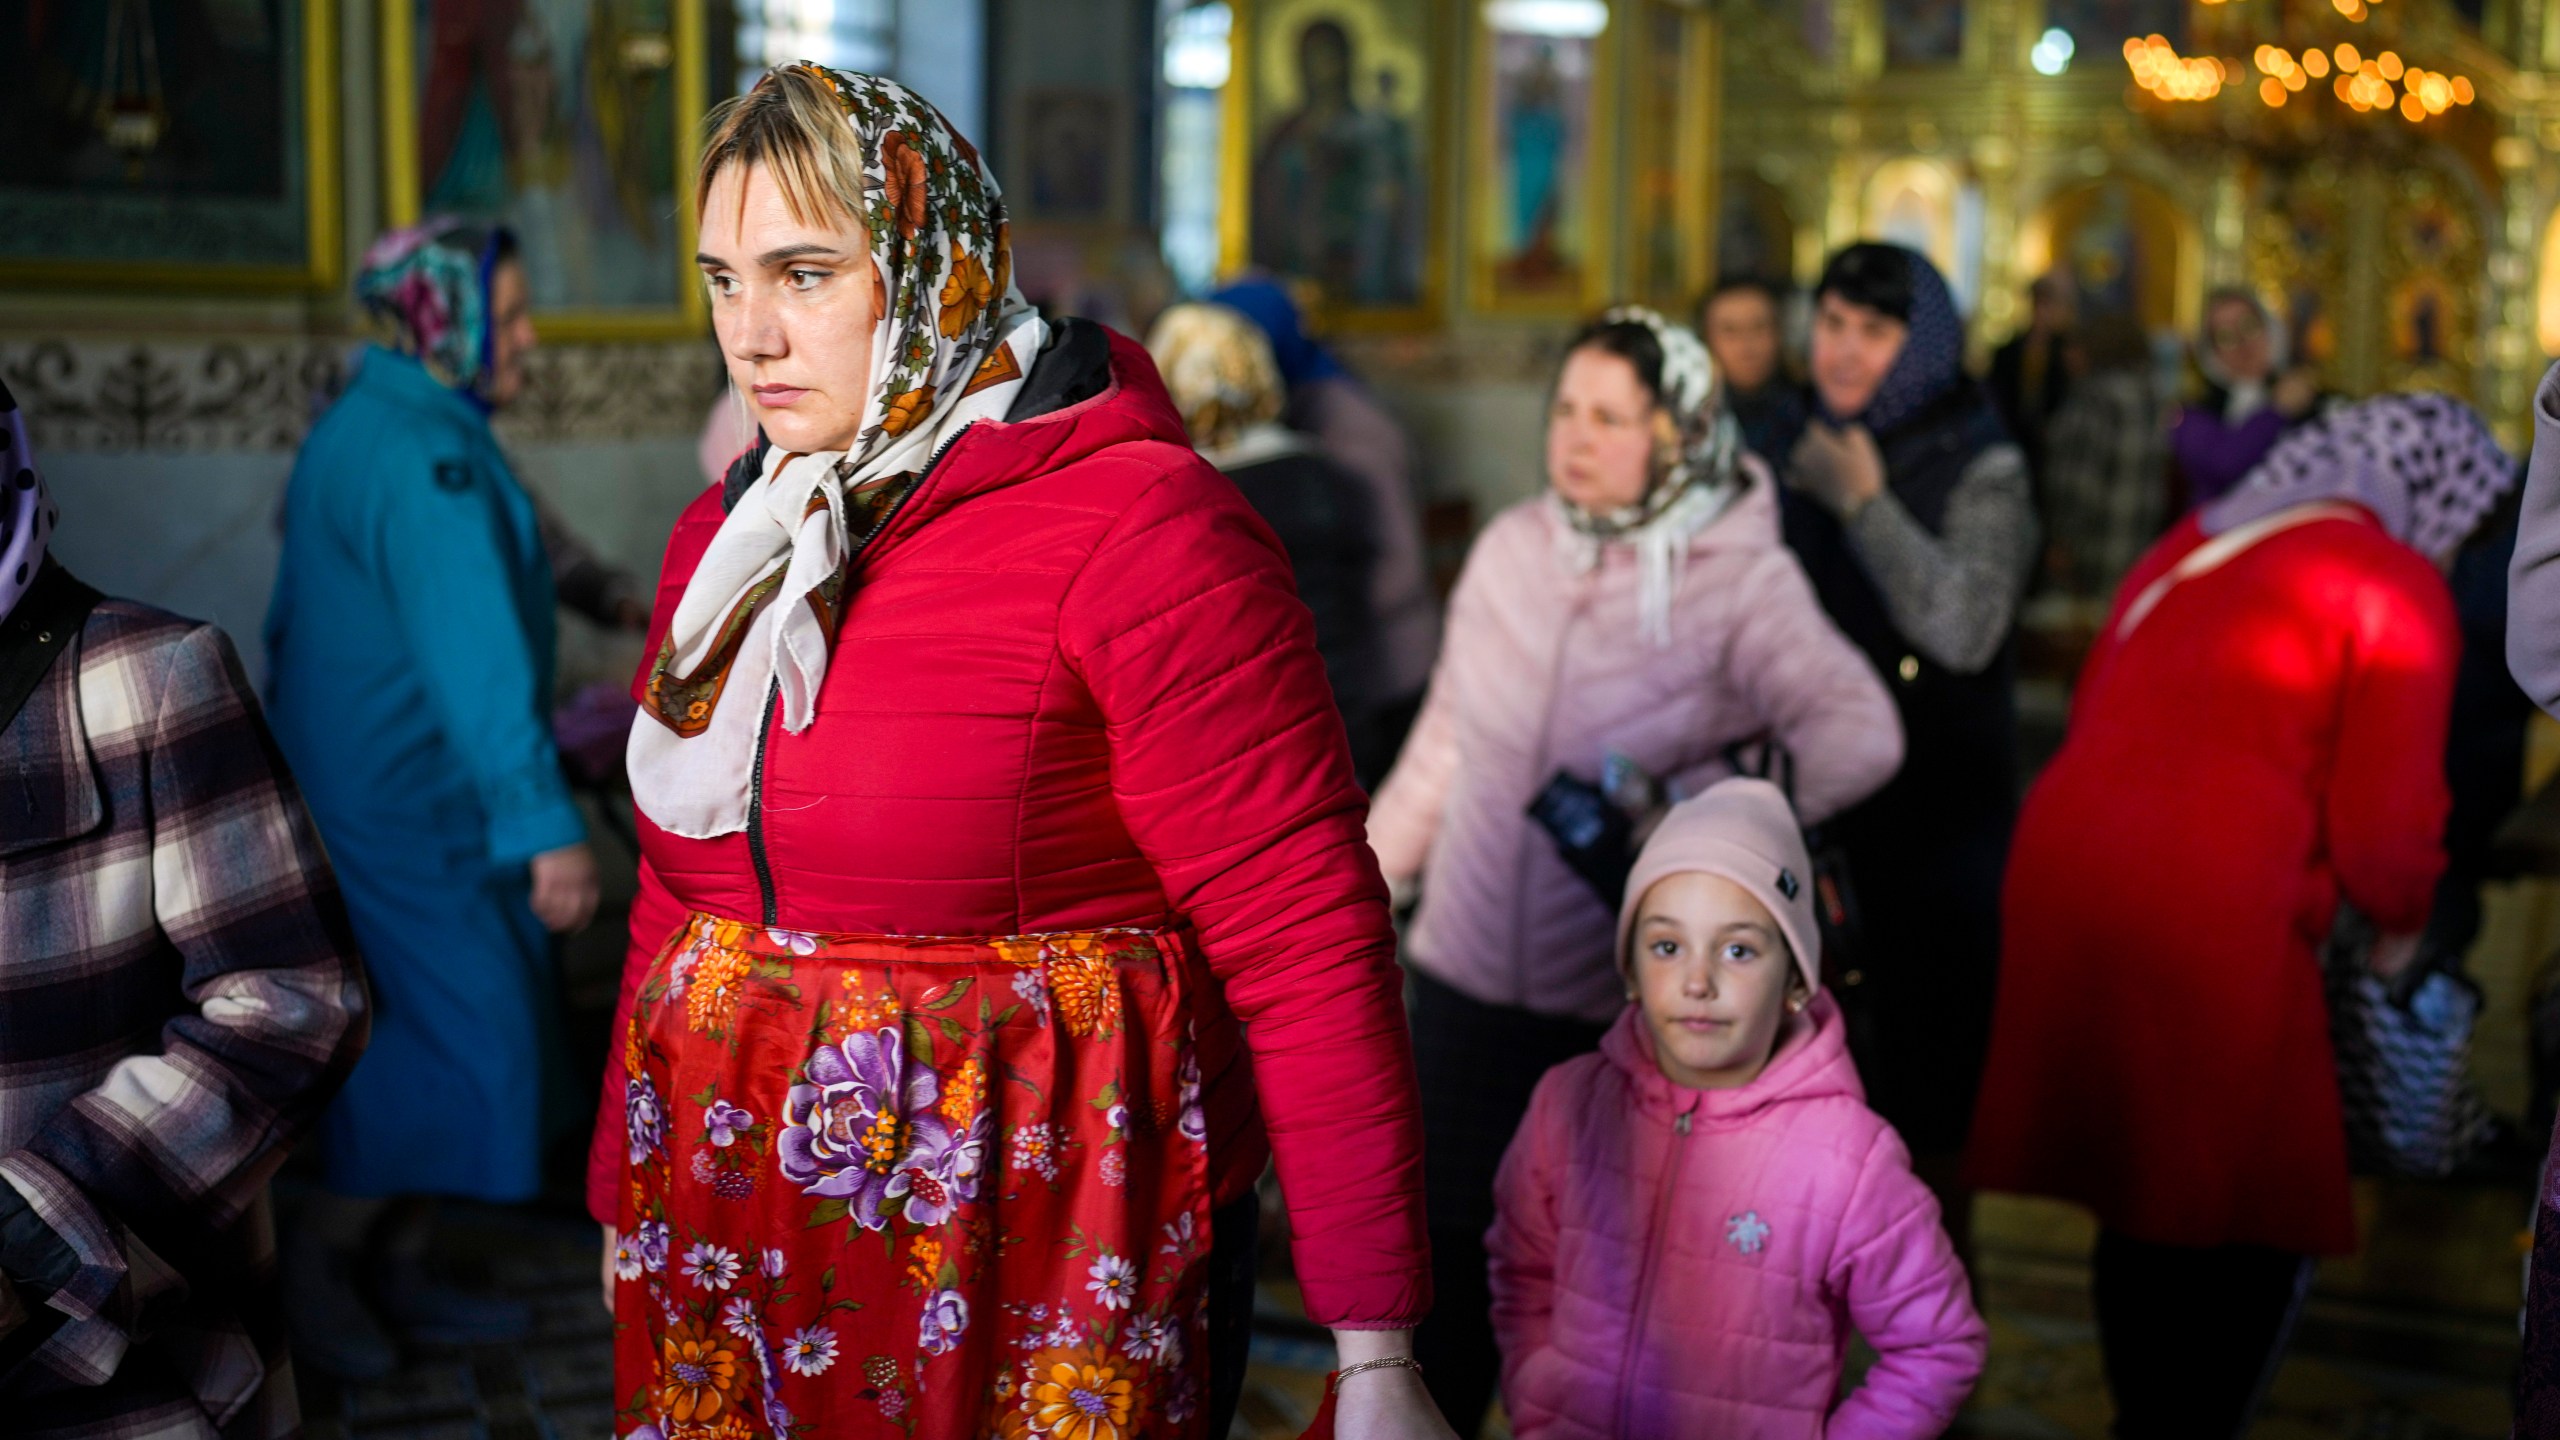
(193, 396)
(132, 395)
(627, 391)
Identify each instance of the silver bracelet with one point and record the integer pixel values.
(1390, 1362)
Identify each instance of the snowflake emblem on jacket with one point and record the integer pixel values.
(1747, 1232)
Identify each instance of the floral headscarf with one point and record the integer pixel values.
(430, 284)
(1219, 371)
(1702, 478)
(26, 512)
(1932, 358)
(2425, 465)
(952, 346)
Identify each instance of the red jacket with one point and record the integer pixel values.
(2270, 739)
(1075, 688)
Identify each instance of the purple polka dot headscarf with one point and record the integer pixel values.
(2424, 464)
(1931, 361)
(26, 511)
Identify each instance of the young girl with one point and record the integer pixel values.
(1691, 1221)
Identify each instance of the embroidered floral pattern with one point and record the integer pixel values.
(1080, 1394)
(1087, 991)
(1747, 1232)
(945, 1157)
(696, 1375)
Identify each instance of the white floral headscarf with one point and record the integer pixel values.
(953, 345)
(1702, 478)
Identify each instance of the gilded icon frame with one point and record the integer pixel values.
(1673, 76)
(322, 265)
(1422, 32)
(403, 185)
(1596, 227)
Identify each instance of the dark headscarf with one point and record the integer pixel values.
(26, 511)
(1266, 303)
(2425, 465)
(1932, 359)
(429, 284)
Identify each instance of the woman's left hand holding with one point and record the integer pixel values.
(1388, 1403)
(1840, 468)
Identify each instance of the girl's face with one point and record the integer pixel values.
(1605, 433)
(794, 306)
(1854, 347)
(1712, 974)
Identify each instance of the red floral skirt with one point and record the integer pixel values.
(883, 1185)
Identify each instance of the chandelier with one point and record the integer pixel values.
(2293, 73)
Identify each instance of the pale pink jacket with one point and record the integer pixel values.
(1669, 1261)
(1546, 669)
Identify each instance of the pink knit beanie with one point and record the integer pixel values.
(1743, 831)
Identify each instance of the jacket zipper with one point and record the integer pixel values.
(1644, 1284)
(773, 689)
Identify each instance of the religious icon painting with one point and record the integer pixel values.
(574, 124)
(1540, 211)
(177, 143)
(1923, 32)
(1338, 150)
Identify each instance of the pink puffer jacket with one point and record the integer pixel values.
(1545, 669)
(1670, 1261)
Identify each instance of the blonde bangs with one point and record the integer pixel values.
(792, 126)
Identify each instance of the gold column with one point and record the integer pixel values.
(2356, 306)
(2507, 373)
(2226, 230)
(1995, 162)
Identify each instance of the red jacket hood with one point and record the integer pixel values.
(995, 455)
(1811, 1063)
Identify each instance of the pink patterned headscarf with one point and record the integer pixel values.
(26, 512)
(429, 283)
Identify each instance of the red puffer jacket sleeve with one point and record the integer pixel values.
(1231, 772)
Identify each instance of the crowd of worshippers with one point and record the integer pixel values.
(1062, 797)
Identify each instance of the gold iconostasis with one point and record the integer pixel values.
(1437, 164)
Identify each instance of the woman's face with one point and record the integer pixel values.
(1854, 346)
(1604, 432)
(794, 306)
(2241, 345)
(511, 336)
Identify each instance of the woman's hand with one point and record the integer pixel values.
(1840, 468)
(565, 888)
(2295, 392)
(612, 1242)
(2393, 953)
(1388, 1403)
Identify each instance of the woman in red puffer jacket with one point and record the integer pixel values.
(1003, 880)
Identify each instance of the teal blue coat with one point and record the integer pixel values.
(409, 659)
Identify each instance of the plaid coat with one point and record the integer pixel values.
(179, 994)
